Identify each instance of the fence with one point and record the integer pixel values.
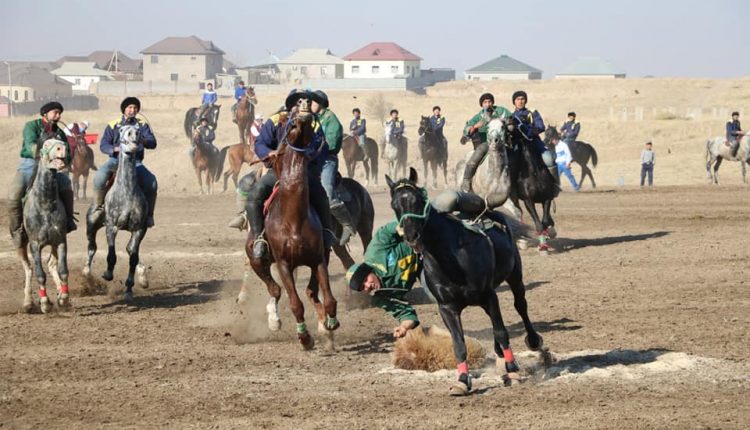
(87, 102)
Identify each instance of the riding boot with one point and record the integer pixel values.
(469, 171)
(151, 199)
(98, 208)
(15, 218)
(555, 174)
(342, 215)
(240, 221)
(365, 156)
(67, 198)
(255, 219)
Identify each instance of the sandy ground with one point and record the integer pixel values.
(645, 306)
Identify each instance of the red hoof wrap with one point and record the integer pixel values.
(463, 368)
(64, 289)
(42, 292)
(508, 355)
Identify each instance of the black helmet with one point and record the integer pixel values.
(50, 106)
(321, 98)
(518, 94)
(486, 96)
(130, 101)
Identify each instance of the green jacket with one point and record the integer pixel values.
(33, 131)
(397, 266)
(498, 112)
(332, 130)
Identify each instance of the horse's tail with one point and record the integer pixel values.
(594, 157)
(220, 163)
(707, 155)
(188, 125)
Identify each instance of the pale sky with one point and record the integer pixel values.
(644, 37)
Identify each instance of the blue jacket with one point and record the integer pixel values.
(569, 131)
(398, 127)
(209, 98)
(438, 122)
(273, 129)
(111, 136)
(239, 92)
(732, 128)
(358, 127)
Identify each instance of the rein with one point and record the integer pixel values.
(425, 212)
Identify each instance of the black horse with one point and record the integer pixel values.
(192, 121)
(462, 268)
(359, 204)
(433, 149)
(581, 151)
(530, 180)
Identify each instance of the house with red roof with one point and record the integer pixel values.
(382, 60)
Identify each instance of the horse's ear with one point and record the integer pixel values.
(389, 182)
(412, 175)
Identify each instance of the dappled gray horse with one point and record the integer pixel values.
(45, 224)
(395, 151)
(125, 208)
(718, 149)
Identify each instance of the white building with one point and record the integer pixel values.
(310, 63)
(591, 67)
(381, 60)
(502, 68)
(81, 74)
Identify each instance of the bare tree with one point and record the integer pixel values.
(377, 107)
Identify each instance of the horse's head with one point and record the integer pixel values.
(53, 154)
(498, 132)
(128, 139)
(387, 135)
(250, 93)
(424, 125)
(412, 207)
(551, 135)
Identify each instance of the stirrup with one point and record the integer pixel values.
(239, 222)
(260, 247)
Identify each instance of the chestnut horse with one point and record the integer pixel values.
(82, 162)
(245, 114)
(238, 154)
(353, 153)
(295, 235)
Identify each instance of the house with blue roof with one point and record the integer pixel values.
(591, 67)
(502, 68)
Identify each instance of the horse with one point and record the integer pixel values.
(462, 268)
(395, 152)
(360, 206)
(238, 154)
(125, 208)
(206, 159)
(294, 234)
(433, 150)
(45, 224)
(581, 152)
(530, 180)
(353, 153)
(82, 161)
(245, 113)
(718, 149)
(192, 121)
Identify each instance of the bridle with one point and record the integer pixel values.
(424, 216)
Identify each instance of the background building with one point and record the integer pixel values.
(502, 68)
(591, 67)
(81, 75)
(310, 63)
(379, 60)
(182, 59)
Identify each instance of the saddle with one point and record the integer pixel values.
(344, 194)
(480, 225)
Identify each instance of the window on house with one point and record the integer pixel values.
(323, 71)
(394, 69)
(193, 76)
(173, 77)
(193, 58)
(26, 95)
(78, 81)
(15, 95)
(303, 70)
(355, 69)
(375, 70)
(154, 59)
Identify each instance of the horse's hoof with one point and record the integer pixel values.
(307, 341)
(534, 347)
(332, 323)
(242, 298)
(28, 307)
(551, 232)
(45, 305)
(512, 378)
(522, 244)
(63, 301)
(458, 389)
(107, 276)
(86, 271)
(274, 324)
(128, 296)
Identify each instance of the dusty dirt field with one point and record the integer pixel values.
(645, 306)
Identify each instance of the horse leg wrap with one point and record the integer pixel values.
(331, 323)
(301, 328)
(64, 289)
(42, 292)
(510, 361)
(463, 368)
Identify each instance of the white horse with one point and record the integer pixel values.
(718, 149)
(391, 151)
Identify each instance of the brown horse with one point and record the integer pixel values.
(295, 235)
(245, 114)
(206, 159)
(353, 153)
(238, 154)
(82, 162)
